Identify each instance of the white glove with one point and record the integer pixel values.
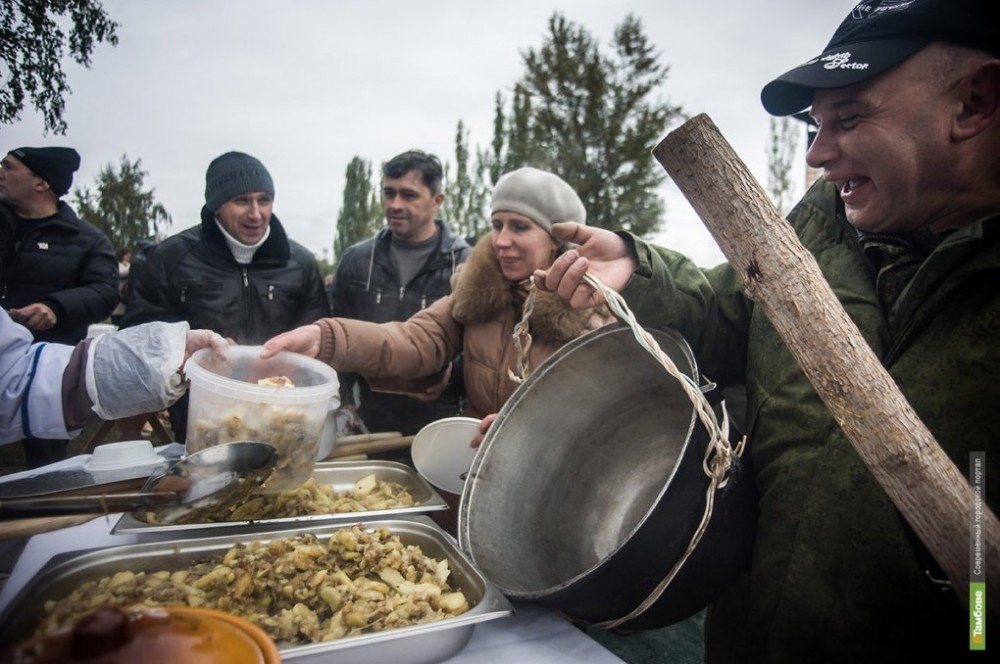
(198, 339)
(137, 370)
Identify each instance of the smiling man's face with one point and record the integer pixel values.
(245, 217)
(887, 145)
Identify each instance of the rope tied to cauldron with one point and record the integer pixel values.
(718, 458)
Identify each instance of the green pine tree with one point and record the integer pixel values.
(120, 204)
(591, 115)
(496, 163)
(360, 213)
(467, 196)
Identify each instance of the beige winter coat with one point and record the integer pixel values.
(478, 319)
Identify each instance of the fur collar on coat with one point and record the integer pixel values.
(481, 294)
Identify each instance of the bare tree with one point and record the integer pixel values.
(782, 148)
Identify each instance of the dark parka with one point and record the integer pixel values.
(837, 575)
(67, 264)
(193, 277)
(367, 288)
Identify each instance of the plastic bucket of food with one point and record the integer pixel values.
(328, 434)
(281, 401)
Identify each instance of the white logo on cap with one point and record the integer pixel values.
(840, 60)
(872, 7)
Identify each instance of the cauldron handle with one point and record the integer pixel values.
(718, 452)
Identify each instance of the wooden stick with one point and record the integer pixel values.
(367, 437)
(371, 447)
(782, 277)
(18, 528)
(352, 457)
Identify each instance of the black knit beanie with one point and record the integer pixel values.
(233, 174)
(54, 165)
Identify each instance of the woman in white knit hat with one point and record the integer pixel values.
(478, 318)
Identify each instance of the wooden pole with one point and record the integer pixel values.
(371, 446)
(23, 528)
(782, 277)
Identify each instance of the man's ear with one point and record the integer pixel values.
(980, 98)
(438, 199)
(41, 185)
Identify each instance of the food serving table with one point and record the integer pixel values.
(534, 634)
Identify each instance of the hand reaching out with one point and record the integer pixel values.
(601, 253)
(304, 340)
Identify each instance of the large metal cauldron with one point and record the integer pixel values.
(589, 486)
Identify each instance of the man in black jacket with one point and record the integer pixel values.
(63, 275)
(237, 273)
(389, 277)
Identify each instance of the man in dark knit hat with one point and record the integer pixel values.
(236, 273)
(63, 274)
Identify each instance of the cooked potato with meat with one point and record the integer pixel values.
(287, 428)
(313, 498)
(276, 381)
(300, 590)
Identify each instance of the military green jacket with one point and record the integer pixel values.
(837, 576)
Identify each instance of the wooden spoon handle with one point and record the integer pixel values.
(19, 528)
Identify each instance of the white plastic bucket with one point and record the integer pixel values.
(328, 434)
(227, 405)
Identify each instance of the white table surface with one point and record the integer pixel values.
(534, 634)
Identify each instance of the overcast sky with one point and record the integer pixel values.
(304, 85)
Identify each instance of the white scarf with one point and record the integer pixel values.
(243, 253)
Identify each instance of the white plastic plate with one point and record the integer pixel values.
(441, 451)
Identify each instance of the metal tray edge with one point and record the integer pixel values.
(129, 525)
(492, 605)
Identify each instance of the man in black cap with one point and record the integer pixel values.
(906, 228)
(62, 276)
(236, 273)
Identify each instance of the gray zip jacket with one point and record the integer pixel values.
(367, 288)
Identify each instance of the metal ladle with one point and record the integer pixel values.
(193, 488)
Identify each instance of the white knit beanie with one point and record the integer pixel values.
(543, 197)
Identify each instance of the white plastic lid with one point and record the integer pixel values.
(441, 451)
(126, 454)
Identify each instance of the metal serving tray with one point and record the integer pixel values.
(339, 474)
(430, 642)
